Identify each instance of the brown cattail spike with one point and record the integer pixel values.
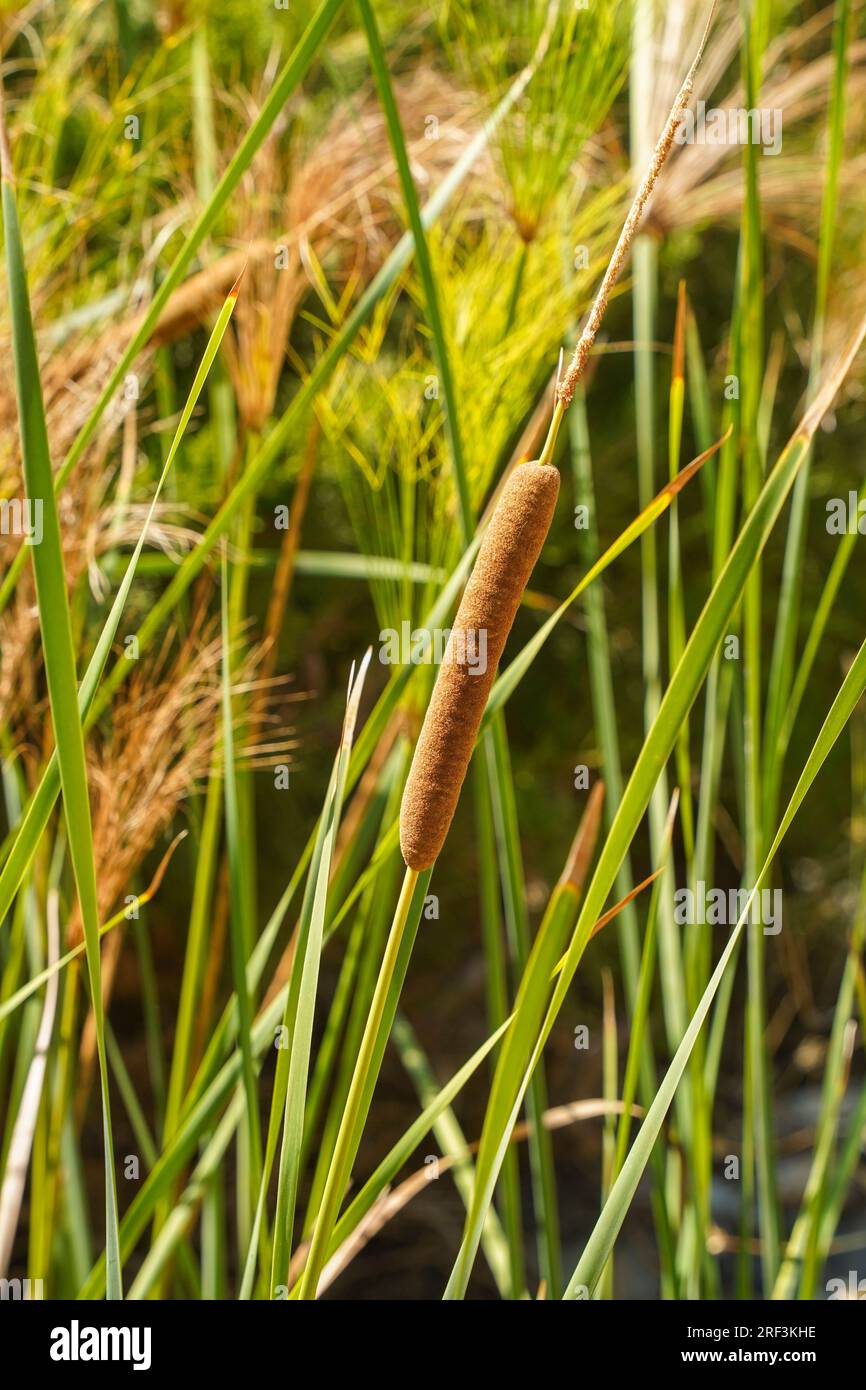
(509, 550)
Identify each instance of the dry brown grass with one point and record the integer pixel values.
(703, 183)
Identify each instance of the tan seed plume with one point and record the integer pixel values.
(568, 383)
(506, 558)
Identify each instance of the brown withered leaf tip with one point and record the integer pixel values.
(506, 558)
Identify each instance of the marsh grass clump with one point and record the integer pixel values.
(161, 743)
(542, 138)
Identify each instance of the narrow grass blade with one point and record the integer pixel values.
(228, 1025)
(496, 989)
(379, 64)
(59, 658)
(237, 863)
(504, 806)
(301, 1024)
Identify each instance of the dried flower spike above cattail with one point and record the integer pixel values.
(509, 550)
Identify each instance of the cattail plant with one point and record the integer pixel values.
(511, 546)
(506, 558)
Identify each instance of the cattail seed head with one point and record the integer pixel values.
(506, 558)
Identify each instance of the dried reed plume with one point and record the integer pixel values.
(160, 747)
(92, 528)
(511, 546)
(83, 524)
(703, 182)
(342, 200)
(72, 374)
(164, 735)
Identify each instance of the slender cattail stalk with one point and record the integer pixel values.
(568, 384)
(511, 545)
(352, 1117)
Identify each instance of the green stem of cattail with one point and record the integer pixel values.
(346, 1145)
(550, 442)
